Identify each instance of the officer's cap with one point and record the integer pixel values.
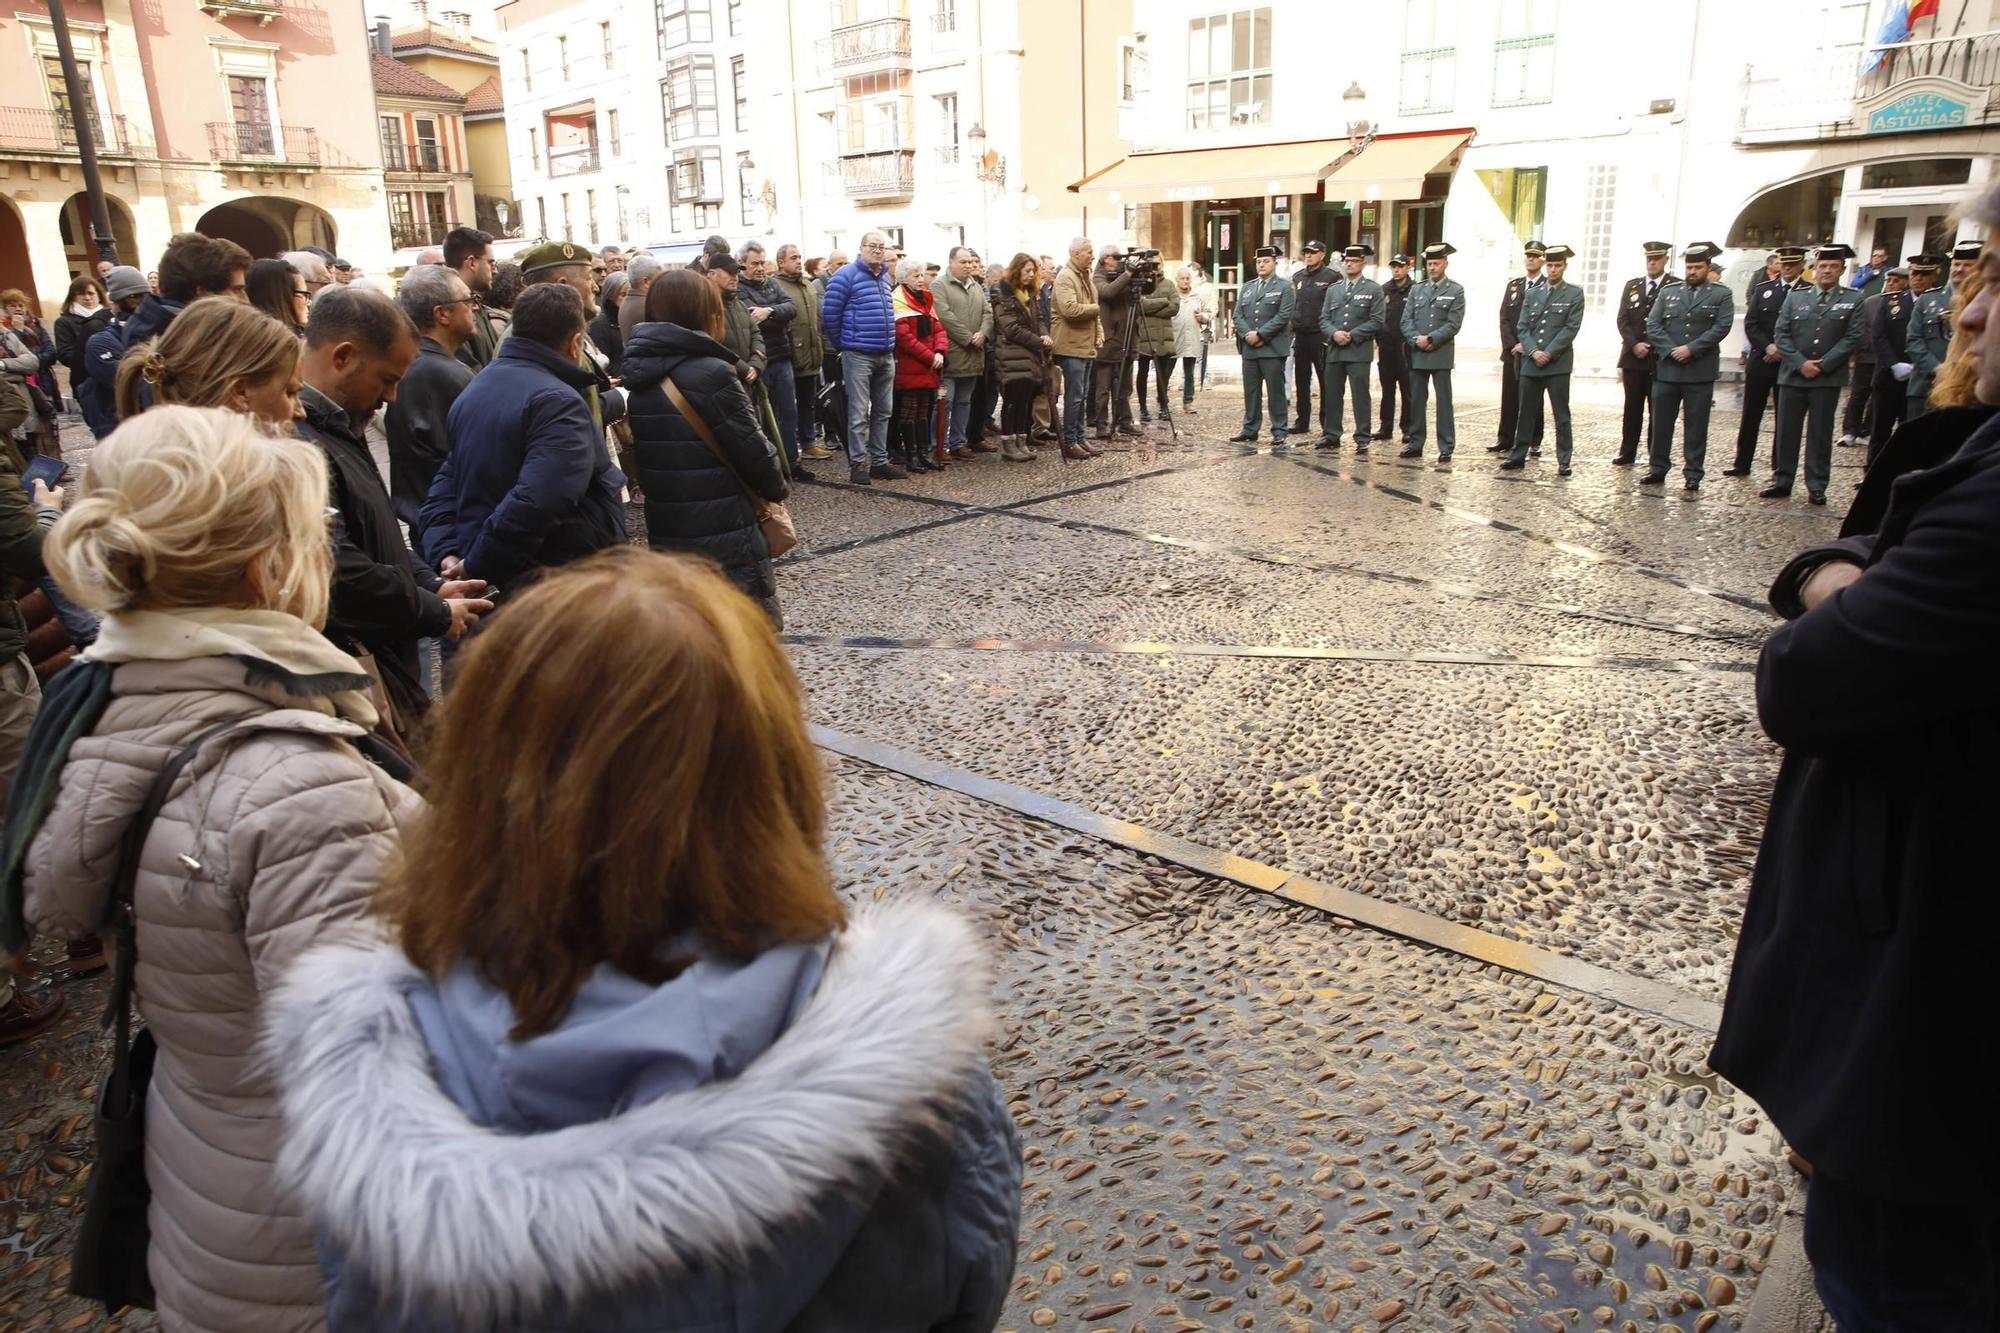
(1534, 249)
(1560, 252)
(1269, 252)
(1358, 252)
(1837, 250)
(552, 254)
(1791, 254)
(1315, 247)
(1968, 249)
(1704, 251)
(1900, 271)
(1924, 263)
(1440, 250)
(1657, 249)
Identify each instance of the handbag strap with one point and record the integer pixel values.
(674, 395)
(124, 919)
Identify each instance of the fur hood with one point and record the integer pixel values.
(442, 1212)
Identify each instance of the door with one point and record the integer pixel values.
(427, 154)
(1889, 233)
(1225, 262)
(250, 109)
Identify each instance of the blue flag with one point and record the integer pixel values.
(1895, 28)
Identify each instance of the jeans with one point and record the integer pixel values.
(1076, 371)
(958, 393)
(1876, 1274)
(783, 391)
(870, 381)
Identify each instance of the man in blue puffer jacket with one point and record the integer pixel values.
(96, 394)
(529, 482)
(860, 326)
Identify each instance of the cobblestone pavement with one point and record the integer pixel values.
(1516, 704)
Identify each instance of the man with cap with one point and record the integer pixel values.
(1817, 332)
(1432, 316)
(343, 271)
(1639, 360)
(1310, 286)
(1760, 350)
(1929, 336)
(1964, 259)
(1393, 354)
(1350, 320)
(1550, 318)
(1263, 322)
(96, 397)
(1532, 256)
(1685, 327)
(568, 265)
(1886, 328)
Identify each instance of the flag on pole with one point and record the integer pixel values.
(1895, 28)
(1923, 9)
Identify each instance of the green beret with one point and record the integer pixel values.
(552, 254)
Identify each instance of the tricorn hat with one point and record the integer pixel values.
(1358, 252)
(1269, 252)
(1562, 252)
(1968, 249)
(1702, 251)
(1440, 250)
(1834, 250)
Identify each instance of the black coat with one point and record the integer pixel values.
(604, 335)
(693, 502)
(1860, 977)
(1017, 338)
(419, 439)
(1634, 307)
(73, 331)
(384, 598)
(1921, 443)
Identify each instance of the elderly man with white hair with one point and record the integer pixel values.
(1076, 335)
(859, 323)
(642, 268)
(310, 267)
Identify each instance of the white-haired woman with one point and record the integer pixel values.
(204, 542)
(921, 343)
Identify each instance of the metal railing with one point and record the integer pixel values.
(876, 41)
(1974, 59)
(40, 129)
(1818, 91)
(413, 157)
(890, 175)
(573, 161)
(410, 236)
(255, 141)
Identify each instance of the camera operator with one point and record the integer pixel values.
(1111, 381)
(1153, 344)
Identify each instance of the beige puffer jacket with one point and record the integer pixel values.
(289, 828)
(1076, 330)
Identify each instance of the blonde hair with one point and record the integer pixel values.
(211, 347)
(196, 507)
(1958, 377)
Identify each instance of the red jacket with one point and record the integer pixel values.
(915, 351)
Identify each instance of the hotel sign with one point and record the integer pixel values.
(1917, 111)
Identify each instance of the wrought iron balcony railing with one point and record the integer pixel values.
(880, 176)
(876, 43)
(413, 157)
(573, 161)
(42, 130)
(259, 141)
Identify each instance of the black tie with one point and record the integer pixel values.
(1652, 285)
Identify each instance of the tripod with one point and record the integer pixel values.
(1126, 357)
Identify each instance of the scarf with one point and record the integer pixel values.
(82, 311)
(275, 647)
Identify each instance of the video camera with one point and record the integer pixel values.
(1144, 263)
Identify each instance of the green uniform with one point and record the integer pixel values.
(1264, 306)
(1550, 316)
(1928, 341)
(1822, 325)
(1697, 318)
(1353, 306)
(1434, 310)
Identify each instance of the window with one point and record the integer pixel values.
(567, 232)
(417, 217)
(944, 23)
(611, 125)
(624, 212)
(1522, 193)
(1600, 201)
(893, 235)
(562, 56)
(947, 127)
(425, 154)
(590, 214)
(735, 17)
(746, 194)
(1229, 69)
(1524, 53)
(604, 35)
(697, 176)
(742, 94)
(542, 214)
(393, 156)
(1430, 60)
(826, 151)
(687, 98)
(1129, 220)
(535, 152)
(59, 99)
(683, 21)
(1135, 70)
(527, 72)
(250, 109)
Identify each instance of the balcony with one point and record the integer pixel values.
(575, 160)
(1852, 92)
(232, 142)
(880, 177)
(422, 158)
(33, 129)
(264, 11)
(411, 236)
(863, 48)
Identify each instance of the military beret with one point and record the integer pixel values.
(1269, 252)
(1441, 250)
(552, 254)
(1704, 251)
(1560, 252)
(1358, 252)
(1535, 249)
(1657, 249)
(1968, 249)
(1834, 250)
(1791, 254)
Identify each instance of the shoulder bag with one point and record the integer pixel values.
(108, 1263)
(773, 520)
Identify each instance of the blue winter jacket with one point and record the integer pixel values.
(857, 314)
(97, 395)
(529, 482)
(806, 1140)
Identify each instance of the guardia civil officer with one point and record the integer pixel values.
(1350, 320)
(1686, 326)
(1928, 340)
(1818, 331)
(1432, 316)
(1263, 323)
(1760, 350)
(1964, 259)
(1639, 359)
(1309, 288)
(1550, 318)
(1392, 354)
(1532, 256)
(1886, 317)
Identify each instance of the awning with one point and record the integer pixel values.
(1394, 166)
(1272, 168)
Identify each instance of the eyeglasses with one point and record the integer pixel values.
(463, 300)
(300, 291)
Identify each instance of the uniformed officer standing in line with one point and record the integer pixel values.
(1309, 288)
(1686, 327)
(1350, 320)
(1639, 359)
(1886, 325)
(1511, 300)
(1392, 354)
(1263, 325)
(1929, 336)
(1550, 318)
(1964, 259)
(1818, 331)
(1432, 316)
(1760, 350)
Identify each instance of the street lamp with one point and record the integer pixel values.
(992, 169)
(1360, 129)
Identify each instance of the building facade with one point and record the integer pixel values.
(446, 49)
(231, 117)
(426, 168)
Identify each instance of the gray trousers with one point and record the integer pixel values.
(1813, 411)
(1264, 378)
(1669, 402)
(1420, 396)
(1530, 428)
(1344, 378)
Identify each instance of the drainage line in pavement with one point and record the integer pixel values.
(1638, 993)
(838, 548)
(1147, 648)
(1568, 548)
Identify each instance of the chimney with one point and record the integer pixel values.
(381, 37)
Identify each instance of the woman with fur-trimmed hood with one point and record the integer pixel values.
(627, 1062)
